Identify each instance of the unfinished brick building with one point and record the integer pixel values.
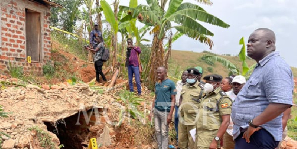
(25, 31)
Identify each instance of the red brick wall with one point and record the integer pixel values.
(12, 35)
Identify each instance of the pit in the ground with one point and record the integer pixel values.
(71, 134)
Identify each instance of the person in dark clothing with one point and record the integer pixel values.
(97, 59)
(93, 42)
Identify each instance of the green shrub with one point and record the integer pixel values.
(48, 69)
(15, 71)
(210, 69)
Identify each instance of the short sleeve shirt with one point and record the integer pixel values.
(270, 82)
(209, 117)
(163, 92)
(189, 107)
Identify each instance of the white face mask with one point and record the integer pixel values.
(208, 88)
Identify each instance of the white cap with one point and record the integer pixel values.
(239, 79)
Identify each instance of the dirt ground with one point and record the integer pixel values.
(34, 106)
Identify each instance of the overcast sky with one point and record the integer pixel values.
(244, 17)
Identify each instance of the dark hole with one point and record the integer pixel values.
(70, 135)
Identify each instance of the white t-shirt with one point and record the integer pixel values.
(232, 96)
(179, 85)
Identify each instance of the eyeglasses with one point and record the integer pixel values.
(236, 84)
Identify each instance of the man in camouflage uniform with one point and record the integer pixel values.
(214, 114)
(188, 109)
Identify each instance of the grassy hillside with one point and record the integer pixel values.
(181, 60)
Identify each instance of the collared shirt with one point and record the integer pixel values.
(232, 96)
(179, 85)
(270, 82)
(209, 117)
(163, 92)
(132, 56)
(189, 107)
(93, 37)
(99, 53)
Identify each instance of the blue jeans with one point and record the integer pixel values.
(260, 139)
(134, 70)
(176, 121)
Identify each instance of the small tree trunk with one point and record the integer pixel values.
(168, 54)
(123, 53)
(114, 78)
(115, 37)
(99, 15)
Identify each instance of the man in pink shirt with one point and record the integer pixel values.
(132, 64)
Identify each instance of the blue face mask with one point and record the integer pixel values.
(190, 81)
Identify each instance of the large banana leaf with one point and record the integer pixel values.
(207, 2)
(154, 5)
(123, 25)
(191, 23)
(109, 16)
(194, 34)
(206, 40)
(126, 18)
(150, 18)
(199, 15)
(229, 65)
(174, 4)
(242, 56)
(189, 6)
(247, 75)
(133, 3)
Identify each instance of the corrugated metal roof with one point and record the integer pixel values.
(49, 2)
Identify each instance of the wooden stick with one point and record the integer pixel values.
(114, 78)
(117, 86)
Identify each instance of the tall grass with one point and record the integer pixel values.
(15, 71)
(71, 44)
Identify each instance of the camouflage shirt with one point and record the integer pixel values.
(98, 54)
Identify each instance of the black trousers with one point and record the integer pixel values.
(98, 68)
(260, 139)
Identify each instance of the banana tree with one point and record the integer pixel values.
(111, 18)
(233, 69)
(185, 16)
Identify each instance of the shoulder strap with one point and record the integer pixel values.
(223, 95)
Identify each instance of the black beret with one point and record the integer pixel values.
(193, 71)
(213, 77)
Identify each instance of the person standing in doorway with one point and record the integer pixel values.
(132, 64)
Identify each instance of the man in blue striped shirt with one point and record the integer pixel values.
(257, 110)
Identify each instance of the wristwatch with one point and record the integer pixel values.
(218, 142)
(253, 125)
